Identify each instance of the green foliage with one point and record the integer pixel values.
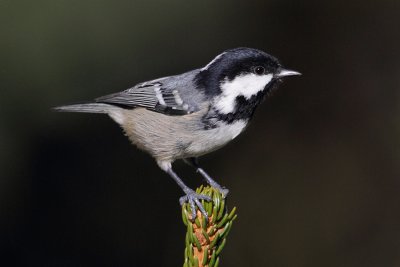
(205, 239)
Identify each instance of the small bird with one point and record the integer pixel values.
(188, 115)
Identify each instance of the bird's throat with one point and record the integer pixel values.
(244, 108)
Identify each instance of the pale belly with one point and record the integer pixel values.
(209, 140)
(168, 138)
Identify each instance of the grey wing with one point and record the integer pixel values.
(174, 95)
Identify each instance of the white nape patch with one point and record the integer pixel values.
(159, 95)
(212, 61)
(117, 116)
(245, 85)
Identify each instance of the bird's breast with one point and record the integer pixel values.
(173, 137)
(208, 140)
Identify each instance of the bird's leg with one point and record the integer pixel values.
(191, 196)
(194, 163)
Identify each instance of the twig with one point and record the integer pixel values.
(206, 239)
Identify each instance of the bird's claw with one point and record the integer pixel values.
(224, 191)
(193, 199)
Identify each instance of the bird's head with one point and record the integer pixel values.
(240, 76)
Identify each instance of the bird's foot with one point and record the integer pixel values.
(224, 191)
(193, 199)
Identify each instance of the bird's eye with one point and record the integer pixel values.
(259, 70)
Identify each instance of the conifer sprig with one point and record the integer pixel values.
(205, 239)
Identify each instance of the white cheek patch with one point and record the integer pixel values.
(246, 85)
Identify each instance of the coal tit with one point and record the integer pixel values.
(188, 115)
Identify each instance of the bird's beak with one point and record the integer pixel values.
(284, 73)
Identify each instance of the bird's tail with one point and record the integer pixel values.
(86, 108)
(114, 112)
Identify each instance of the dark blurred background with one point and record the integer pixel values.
(315, 178)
